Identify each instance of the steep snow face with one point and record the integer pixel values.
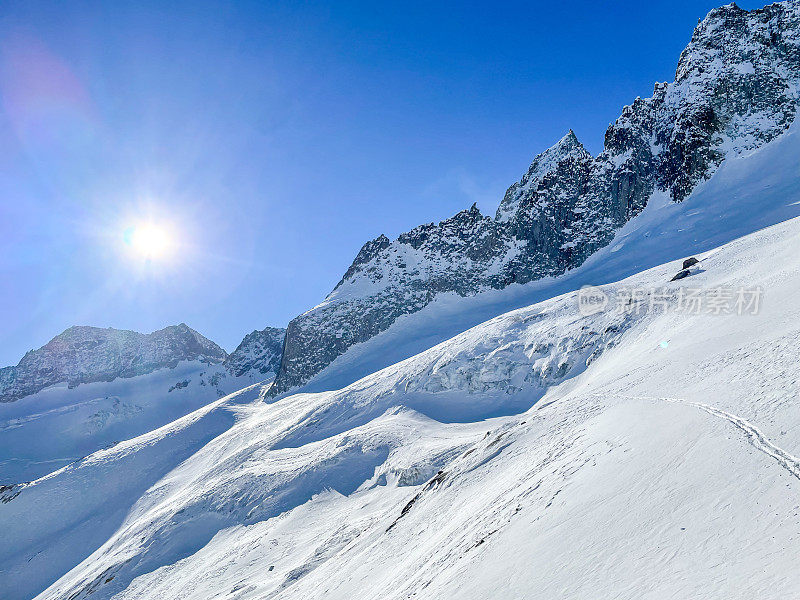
(539, 454)
(87, 354)
(735, 89)
(258, 356)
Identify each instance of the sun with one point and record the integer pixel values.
(148, 240)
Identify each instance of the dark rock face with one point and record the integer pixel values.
(735, 89)
(87, 354)
(258, 355)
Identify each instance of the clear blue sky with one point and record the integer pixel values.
(276, 138)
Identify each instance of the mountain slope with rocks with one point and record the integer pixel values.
(502, 444)
(735, 89)
(542, 453)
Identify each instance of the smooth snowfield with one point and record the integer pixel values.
(75, 509)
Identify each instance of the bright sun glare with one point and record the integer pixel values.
(148, 240)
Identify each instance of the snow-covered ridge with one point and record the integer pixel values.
(85, 354)
(735, 89)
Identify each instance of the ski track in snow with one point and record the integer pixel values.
(753, 434)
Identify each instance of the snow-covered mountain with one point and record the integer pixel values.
(84, 354)
(735, 89)
(90, 388)
(512, 443)
(543, 453)
(89, 354)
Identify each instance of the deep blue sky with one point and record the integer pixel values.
(277, 138)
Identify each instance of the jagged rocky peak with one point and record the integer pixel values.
(368, 251)
(736, 88)
(258, 355)
(741, 40)
(568, 148)
(83, 354)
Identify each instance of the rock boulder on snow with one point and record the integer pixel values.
(690, 262)
(681, 275)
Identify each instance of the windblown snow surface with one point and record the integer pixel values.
(537, 454)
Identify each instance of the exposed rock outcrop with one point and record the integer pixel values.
(258, 355)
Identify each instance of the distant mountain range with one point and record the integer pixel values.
(84, 354)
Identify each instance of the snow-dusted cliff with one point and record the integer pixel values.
(735, 88)
(258, 356)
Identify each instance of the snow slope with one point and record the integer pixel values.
(45, 431)
(539, 454)
(67, 513)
